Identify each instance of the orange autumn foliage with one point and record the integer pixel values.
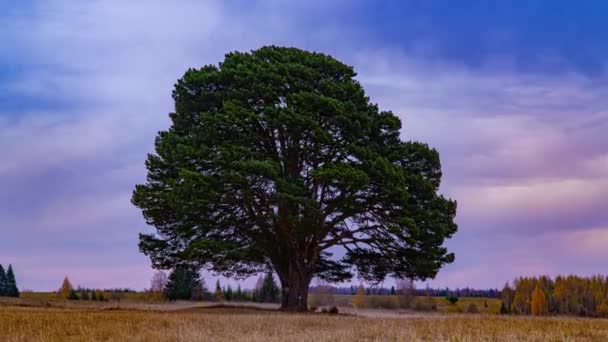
(538, 304)
(66, 288)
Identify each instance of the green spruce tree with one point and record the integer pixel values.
(228, 293)
(503, 308)
(3, 280)
(269, 291)
(181, 283)
(11, 283)
(238, 295)
(73, 295)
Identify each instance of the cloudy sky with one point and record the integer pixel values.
(513, 95)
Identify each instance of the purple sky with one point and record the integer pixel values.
(519, 118)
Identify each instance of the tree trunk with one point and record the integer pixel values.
(295, 296)
(295, 290)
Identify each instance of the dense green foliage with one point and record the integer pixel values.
(73, 295)
(228, 293)
(239, 294)
(3, 288)
(183, 282)
(8, 283)
(451, 299)
(269, 292)
(503, 308)
(274, 160)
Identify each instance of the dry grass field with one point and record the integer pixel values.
(135, 300)
(247, 324)
(51, 296)
(485, 305)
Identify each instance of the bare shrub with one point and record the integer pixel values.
(159, 282)
(199, 292)
(472, 308)
(406, 290)
(359, 300)
(425, 304)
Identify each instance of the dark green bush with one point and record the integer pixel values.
(452, 299)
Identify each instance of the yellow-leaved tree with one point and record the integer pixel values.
(602, 309)
(359, 300)
(538, 304)
(66, 288)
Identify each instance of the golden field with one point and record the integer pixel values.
(247, 324)
(484, 305)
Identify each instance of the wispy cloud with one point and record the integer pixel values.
(67, 172)
(523, 153)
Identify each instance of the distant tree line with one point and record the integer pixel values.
(185, 283)
(439, 292)
(568, 295)
(8, 283)
(266, 290)
(118, 290)
(67, 292)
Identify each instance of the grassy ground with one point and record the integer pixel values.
(51, 296)
(484, 305)
(243, 324)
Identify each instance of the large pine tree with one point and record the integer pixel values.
(11, 283)
(275, 159)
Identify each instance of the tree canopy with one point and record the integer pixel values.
(276, 159)
(181, 283)
(11, 283)
(3, 282)
(8, 283)
(269, 291)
